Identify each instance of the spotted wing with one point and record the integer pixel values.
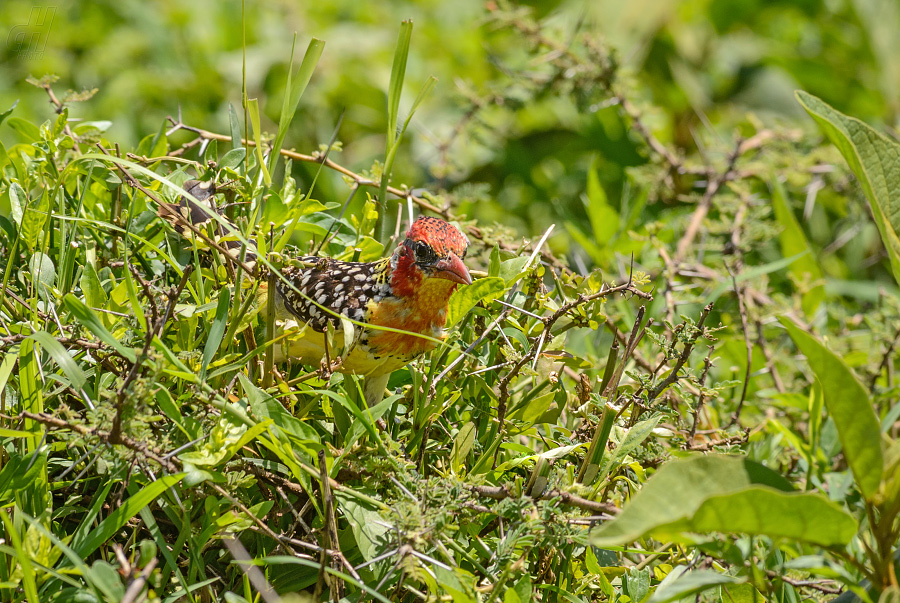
(344, 288)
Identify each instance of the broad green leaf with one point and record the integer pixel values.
(631, 440)
(511, 269)
(35, 217)
(465, 298)
(233, 158)
(24, 127)
(762, 511)
(793, 243)
(678, 489)
(18, 199)
(603, 217)
(92, 323)
(534, 410)
(681, 582)
(128, 509)
(93, 291)
(462, 446)
(43, 273)
(875, 159)
(216, 331)
(133, 301)
(368, 526)
(848, 403)
(264, 406)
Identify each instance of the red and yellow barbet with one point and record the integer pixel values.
(398, 299)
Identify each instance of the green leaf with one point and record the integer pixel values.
(296, 85)
(398, 74)
(43, 273)
(63, 359)
(678, 489)
(233, 158)
(128, 509)
(93, 291)
(604, 219)
(465, 297)
(35, 217)
(18, 473)
(216, 331)
(536, 407)
(462, 446)
(680, 583)
(632, 439)
(253, 110)
(875, 159)
(28, 575)
(848, 403)
(133, 301)
(762, 511)
(30, 386)
(264, 406)
(368, 526)
(24, 127)
(285, 560)
(92, 323)
(512, 268)
(793, 243)
(18, 199)
(7, 113)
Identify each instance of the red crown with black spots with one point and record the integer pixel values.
(441, 236)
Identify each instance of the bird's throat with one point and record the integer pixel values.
(418, 306)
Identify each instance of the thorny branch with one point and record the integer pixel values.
(360, 181)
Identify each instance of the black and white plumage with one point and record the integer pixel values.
(397, 306)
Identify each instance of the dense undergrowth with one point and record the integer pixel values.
(700, 402)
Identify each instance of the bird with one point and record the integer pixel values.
(391, 303)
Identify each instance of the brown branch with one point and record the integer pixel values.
(133, 182)
(331, 533)
(683, 357)
(737, 439)
(359, 181)
(707, 363)
(712, 187)
(501, 493)
(736, 417)
(812, 584)
(103, 436)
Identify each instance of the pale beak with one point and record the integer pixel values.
(453, 269)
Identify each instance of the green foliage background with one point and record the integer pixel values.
(665, 143)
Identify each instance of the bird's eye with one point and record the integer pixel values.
(424, 253)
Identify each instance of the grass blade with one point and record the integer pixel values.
(296, 85)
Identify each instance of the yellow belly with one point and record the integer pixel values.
(308, 347)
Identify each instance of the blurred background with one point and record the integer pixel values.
(521, 147)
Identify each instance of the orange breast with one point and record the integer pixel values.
(424, 313)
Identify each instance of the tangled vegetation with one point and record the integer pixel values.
(696, 399)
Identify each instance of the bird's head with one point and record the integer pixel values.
(433, 249)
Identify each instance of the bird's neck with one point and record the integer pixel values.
(426, 297)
